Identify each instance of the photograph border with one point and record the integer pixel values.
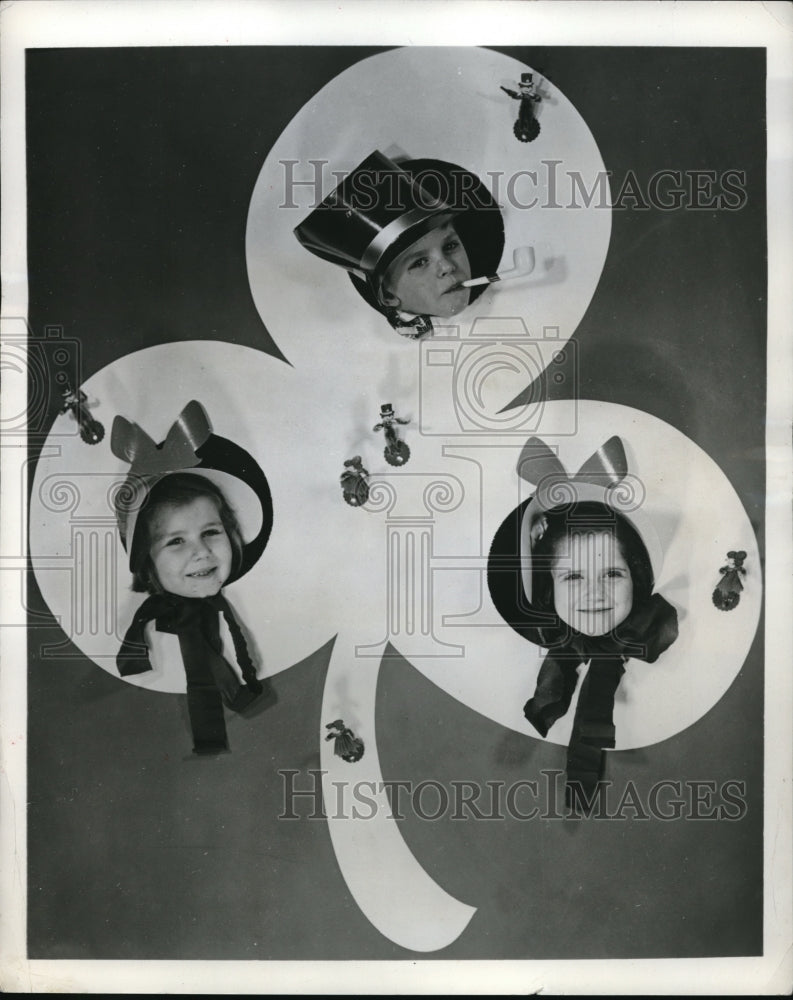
(73, 23)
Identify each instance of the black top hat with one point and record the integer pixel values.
(381, 208)
(377, 211)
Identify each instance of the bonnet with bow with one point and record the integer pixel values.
(190, 446)
(649, 629)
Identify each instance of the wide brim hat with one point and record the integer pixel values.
(382, 207)
(477, 220)
(604, 478)
(191, 447)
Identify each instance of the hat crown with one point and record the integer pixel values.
(361, 224)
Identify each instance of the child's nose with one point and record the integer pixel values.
(445, 265)
(201, 548)
(597, 589)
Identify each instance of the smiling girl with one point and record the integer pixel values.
(575, 575)
(184, 543)
(187, 540)
(589, 568)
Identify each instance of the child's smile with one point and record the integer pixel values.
(592, 584)
(190, 550)
(425, 278)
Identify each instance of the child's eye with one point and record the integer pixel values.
(451, 246)
(177, 540)
(618, 574)
(573, 575)
(214, 531)
(419, 262)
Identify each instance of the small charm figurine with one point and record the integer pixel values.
(527, 128)
(396, 451)
(728, 590)
(91, 431)
(353, 482)
(347, 745)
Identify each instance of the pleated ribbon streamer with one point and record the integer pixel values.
(211, 681)
(644, 635)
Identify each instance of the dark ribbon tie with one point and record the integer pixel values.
(211, 681)
(644, 635)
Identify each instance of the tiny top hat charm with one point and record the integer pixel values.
(396, 451)
(526, 128)
(728, 590)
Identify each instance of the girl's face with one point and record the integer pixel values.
(190, 549)
(592, 584)
(424, 278)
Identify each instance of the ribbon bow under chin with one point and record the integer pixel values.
(189, 431)
(541, 467)
(650, 628)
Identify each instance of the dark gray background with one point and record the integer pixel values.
(141, 163)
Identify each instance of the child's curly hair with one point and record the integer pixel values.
(177, 490)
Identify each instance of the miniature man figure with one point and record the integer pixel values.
(526, 127)
(396, 451)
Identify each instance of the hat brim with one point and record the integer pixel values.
(477, 220)
(246, 490)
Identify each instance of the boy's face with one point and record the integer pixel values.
(190, 549)
(592, 583)
(424, 278)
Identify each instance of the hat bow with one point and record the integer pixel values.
(132, 444)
